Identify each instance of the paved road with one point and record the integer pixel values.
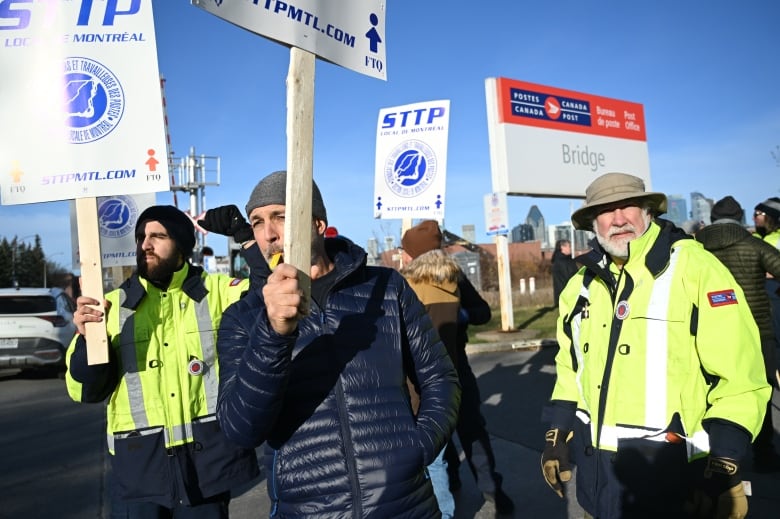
(52, 451)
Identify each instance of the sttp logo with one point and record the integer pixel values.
(410, 168)
(94, 100)
(116, 216)
(418, 117)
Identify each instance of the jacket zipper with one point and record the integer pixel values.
(274, 490)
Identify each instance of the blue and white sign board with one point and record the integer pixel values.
(411, 161)
(117, 218)
(80, 101)
(350, 33)
(496, 214)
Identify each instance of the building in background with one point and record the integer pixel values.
(582, 240)
(372, 251)
(700, 208)
(536, 220)
(677, 209)
(469, 263)
(522, 233)
(469, 232)
(562, 231)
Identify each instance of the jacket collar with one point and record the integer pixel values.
(188, 279)
(653, 248)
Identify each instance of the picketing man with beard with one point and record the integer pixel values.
(660, 384)
(168, 455)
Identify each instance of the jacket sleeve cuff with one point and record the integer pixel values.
(727, 439)
(560, 414)
(83, 372)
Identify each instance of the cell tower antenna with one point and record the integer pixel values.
(169, 149)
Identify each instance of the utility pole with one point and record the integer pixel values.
(194, 173)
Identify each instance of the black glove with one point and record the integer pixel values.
(556, 467)
(720, 493)
(227, 220)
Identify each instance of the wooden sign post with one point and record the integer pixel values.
(300, 136)
(92, 276)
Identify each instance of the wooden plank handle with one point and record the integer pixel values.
(92, 276)
(300, 134)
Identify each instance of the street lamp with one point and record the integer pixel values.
(45, 261)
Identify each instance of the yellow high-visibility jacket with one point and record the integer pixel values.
(773, 239)
(669, 334)
(162, 387)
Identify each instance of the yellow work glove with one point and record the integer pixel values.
(720, 494)
(556, 467)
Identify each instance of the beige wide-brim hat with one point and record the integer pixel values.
(610, 188)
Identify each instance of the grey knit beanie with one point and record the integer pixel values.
(770, 206)
(273, 190)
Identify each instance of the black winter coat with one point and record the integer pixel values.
(749, 259)
(563, 268)
(331, 401)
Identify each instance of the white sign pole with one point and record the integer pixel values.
(498, 216)
(504, 283)
(300, 135)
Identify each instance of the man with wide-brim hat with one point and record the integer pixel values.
(660, 385)
(615, 188)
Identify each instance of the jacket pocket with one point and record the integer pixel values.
(584, 457)
(220, 464)
(652, 476)
(140, 465)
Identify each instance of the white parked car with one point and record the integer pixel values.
(36, 327)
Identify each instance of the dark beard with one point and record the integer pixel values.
(159, 275)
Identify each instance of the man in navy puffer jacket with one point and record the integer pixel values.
(325, 389)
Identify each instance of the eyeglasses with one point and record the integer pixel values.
(759, 213)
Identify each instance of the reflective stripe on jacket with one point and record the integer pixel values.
(162, 386)
(668, 334)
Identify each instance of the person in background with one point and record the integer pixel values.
(207, 259)
(228, 221)
(749, 259)
(563, 267)
(766, 217)
(472, 430)
(168, 455)
(322, 382)
(660, 383)
(331, 232)
(433, 276)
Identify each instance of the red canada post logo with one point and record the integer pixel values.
(552, 107)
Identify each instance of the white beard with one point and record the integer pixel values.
(618, 247)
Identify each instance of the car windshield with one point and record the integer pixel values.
(27, 304)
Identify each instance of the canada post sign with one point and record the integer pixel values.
(549, 141)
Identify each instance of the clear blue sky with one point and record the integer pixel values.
(706, 72)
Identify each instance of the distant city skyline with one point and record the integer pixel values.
(226, 97)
